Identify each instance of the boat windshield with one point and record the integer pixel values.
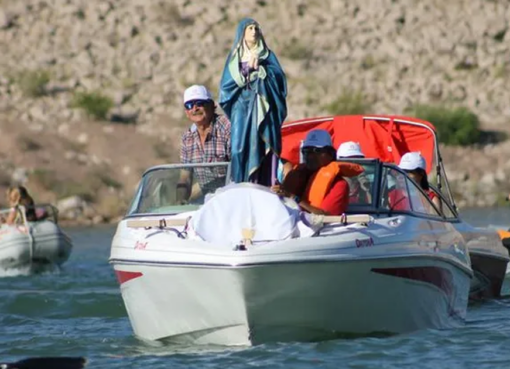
(384, 188)
(363, 187)
(380, 188)
(176, 188)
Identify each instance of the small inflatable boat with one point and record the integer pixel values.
(35, 245)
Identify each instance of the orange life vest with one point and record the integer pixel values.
(503, 234)
(320, 183)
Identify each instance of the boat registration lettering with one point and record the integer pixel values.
(140, 245)
(366, 242)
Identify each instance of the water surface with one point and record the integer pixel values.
(79, 311)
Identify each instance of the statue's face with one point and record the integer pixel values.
(252, 34)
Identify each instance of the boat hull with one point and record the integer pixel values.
(42, 243)
(489, 275)
(489, 260)
(304, 301)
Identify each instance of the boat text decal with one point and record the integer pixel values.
(140, 245)
(366, 242)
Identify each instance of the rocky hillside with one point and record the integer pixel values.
(134, 58)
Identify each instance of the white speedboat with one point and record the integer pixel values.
(247, 267)
(34, 245)
(388, 138)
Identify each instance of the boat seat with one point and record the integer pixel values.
(225, 217)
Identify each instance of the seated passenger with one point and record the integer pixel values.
(397, 197)
(349, 149)
(359, 186)
(413, 163)
(17, 196)
(318, 185)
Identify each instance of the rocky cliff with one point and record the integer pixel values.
(139, 56)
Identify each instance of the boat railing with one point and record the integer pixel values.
(315, 219)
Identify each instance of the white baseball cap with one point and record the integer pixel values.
(197, 92)
(412, 161)
(349, 149)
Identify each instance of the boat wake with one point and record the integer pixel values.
(44, 269)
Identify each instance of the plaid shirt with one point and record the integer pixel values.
(216, 148)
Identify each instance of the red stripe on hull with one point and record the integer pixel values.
(123, 276)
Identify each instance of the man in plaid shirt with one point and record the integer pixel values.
(207, 141)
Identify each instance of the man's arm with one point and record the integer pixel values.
(196, 192)
(183, 188)
(305, 205)
(437, 201)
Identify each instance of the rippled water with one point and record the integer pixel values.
(79, 311)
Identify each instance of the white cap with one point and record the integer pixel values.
(197, 92)
(349, 149)
(412, 161)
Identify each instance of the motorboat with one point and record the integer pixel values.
(504, 234)
(33, 245)
(241, 266)
(388, 138)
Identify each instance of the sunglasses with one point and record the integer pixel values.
(198, 103)
(315, 150)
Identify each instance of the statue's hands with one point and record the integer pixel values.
(253, 63)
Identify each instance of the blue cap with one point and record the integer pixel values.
(318, 138)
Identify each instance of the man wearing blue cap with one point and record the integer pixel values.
(326, 192)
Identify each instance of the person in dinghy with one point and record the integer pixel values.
(19, 196)
(318, 185)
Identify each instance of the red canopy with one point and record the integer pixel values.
(386, 137)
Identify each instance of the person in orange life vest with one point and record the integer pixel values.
(413, 163)
(325, 190)
(359, 186)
